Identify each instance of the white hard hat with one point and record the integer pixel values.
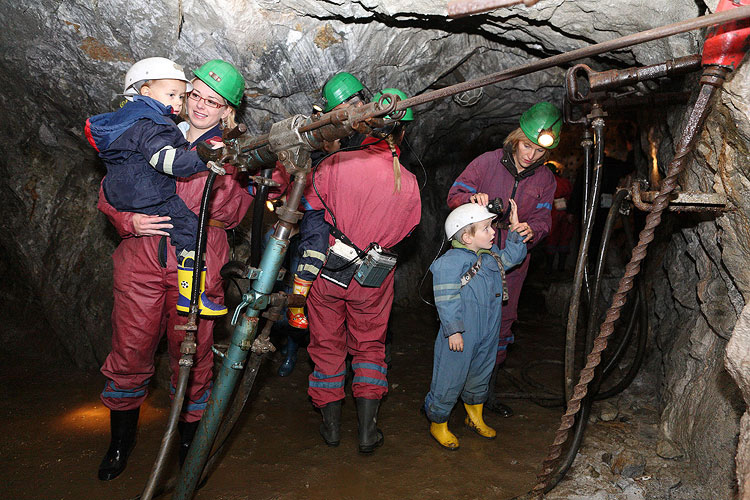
(153, 68)
(465, 215)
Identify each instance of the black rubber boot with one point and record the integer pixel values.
(492, 403)
(330, 429)
(187, 433)
(370, 437)
(123, 428)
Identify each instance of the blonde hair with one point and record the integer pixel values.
(391, 141)
(511, 143)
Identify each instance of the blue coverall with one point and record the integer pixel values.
(474, 310)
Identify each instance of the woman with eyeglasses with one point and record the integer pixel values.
(513, 172)
(145, 276)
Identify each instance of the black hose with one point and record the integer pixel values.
(642, 307)
(259, 204)
(582, 260)
(186, 362)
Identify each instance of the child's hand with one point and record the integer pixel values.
(513, 219)
(456, 342)
(521, 228)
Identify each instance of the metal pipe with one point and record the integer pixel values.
(592, 50)
(258, 151)
(613, 78)
(242, 337)
(259, 205)
(587, 143)
(712, 79)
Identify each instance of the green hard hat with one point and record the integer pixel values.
(224, 79)
(541, 123)
(409, 116)
(339, 88)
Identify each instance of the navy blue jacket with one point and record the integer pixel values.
(139, 144)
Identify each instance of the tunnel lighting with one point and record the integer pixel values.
(270, 206)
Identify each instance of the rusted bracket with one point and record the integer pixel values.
(679, 201)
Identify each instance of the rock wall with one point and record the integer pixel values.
(700, 283)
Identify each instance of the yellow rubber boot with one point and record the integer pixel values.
(443, 436)
(475, 422)
(296, 315)
(206, 307)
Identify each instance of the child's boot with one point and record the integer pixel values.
(296, 315)
(475, 422)
(443, 436)
(206, 307)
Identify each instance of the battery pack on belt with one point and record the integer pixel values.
(375, 267)
(342, 263)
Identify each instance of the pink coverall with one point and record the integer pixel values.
(145, 296)
(533, 194)
(358, 187)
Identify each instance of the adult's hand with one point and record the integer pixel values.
(480, 199)
(151, 225)
(525, 231)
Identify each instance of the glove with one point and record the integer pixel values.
(207, 153)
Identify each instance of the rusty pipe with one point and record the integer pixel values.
(606, 80)
(592, 50)
(257, 151)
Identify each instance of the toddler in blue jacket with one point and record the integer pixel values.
(469, 285)
(144, 151)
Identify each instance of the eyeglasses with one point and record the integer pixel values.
(211, 103)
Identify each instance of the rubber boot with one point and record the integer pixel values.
(206, 307)
(330, 429)
(443, 436)
(370, 437)
(296, 315)
(123, 429)
(187, 433)
(475, 422)
(492, 403)
(287, 366)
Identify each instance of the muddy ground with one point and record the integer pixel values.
(56, 431)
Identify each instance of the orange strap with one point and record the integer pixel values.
(216, 223)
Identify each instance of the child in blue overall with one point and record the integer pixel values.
(144, 151)
(469, 285)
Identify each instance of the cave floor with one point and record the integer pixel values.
(56, 431)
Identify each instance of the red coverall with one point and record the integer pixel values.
(145, 296)
(358, 188)
(562, 229)
(533, 194)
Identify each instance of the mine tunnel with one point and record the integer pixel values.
(625, 374)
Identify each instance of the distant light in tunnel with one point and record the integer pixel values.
(654, 180)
